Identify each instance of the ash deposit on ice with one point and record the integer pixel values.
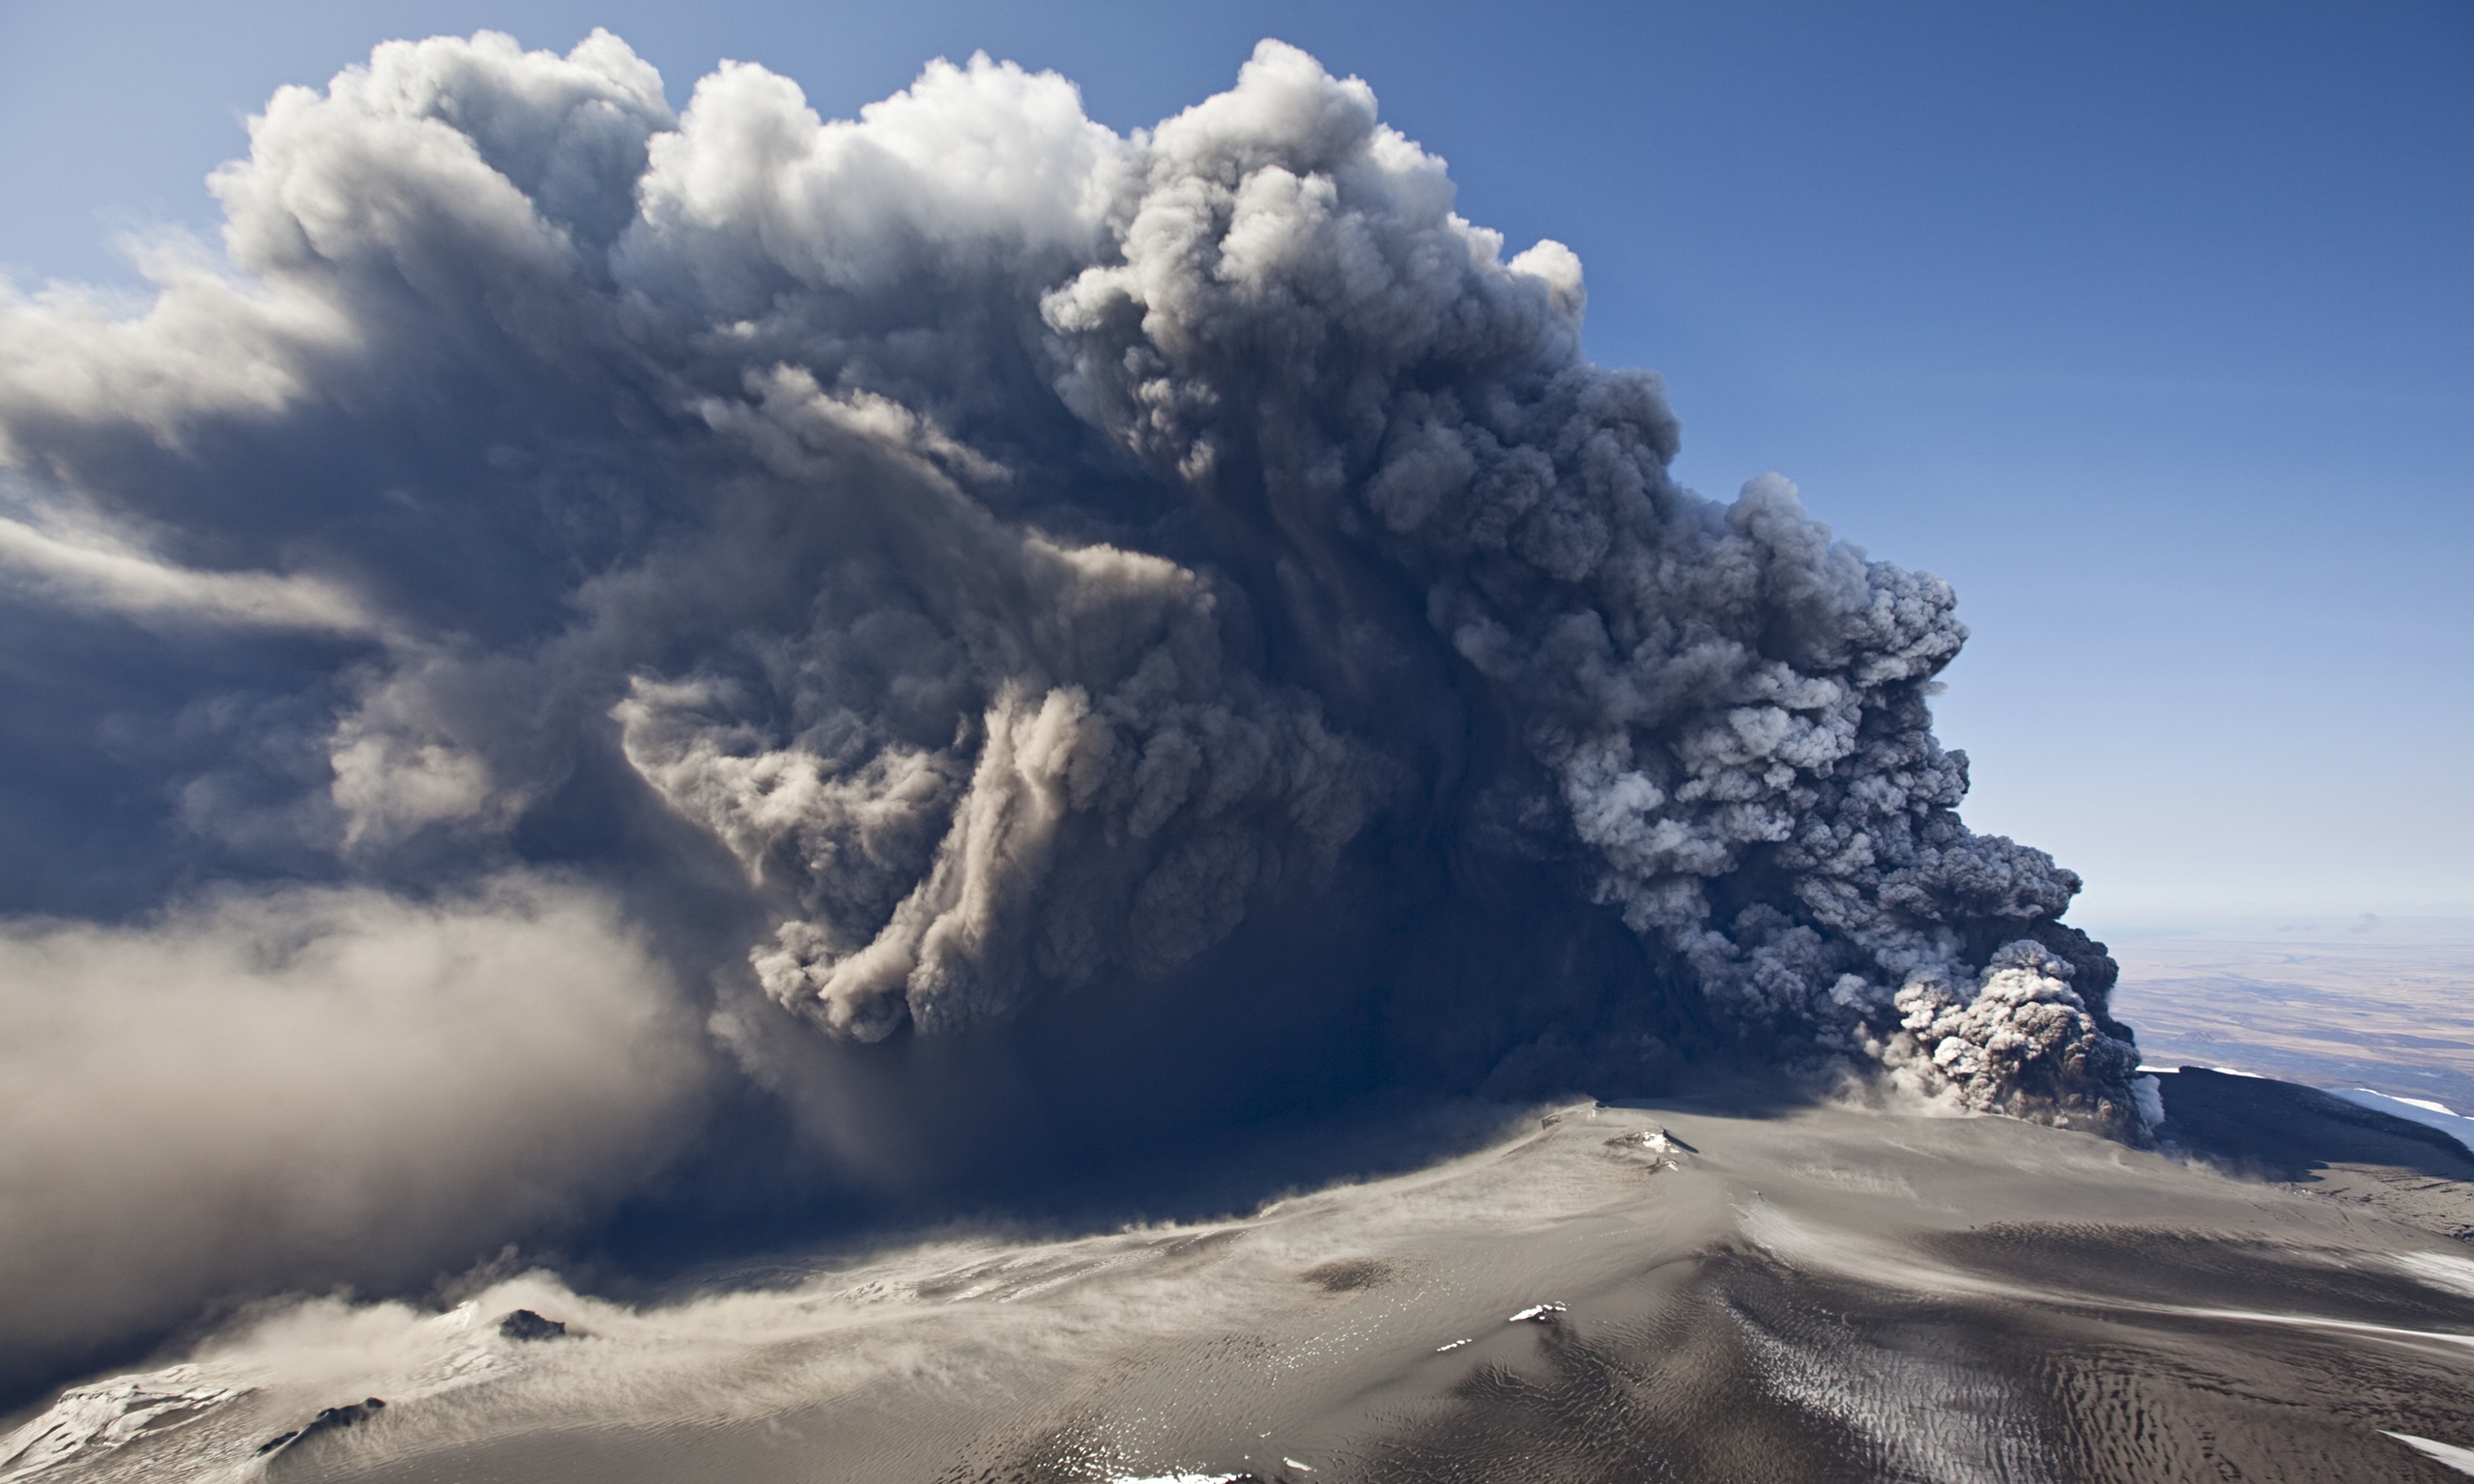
(583, 618)
(1603, 1294)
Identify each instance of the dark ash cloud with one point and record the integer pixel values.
(976, 610)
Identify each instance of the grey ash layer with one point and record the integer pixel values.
(961, 621)
(1608, 1293)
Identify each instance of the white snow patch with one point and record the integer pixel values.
(2459, 1458)
(1544, 1313)
(1455, 1345)
(2440, 1269)
(109, 1414)
(2420, 1110)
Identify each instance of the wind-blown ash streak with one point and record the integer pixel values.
(315, 1087)
(1618, 1294)
(1041, 560)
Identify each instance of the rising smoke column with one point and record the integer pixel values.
(1709, 697)
(963, 567)
(1285, 324)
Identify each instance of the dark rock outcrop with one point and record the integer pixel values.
(525, 1324)
(329, 1419)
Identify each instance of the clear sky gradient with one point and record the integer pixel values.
(2149, 326)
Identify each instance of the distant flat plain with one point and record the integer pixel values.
(2386, 1004)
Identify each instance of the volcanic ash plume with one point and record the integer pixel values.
(1000, 571)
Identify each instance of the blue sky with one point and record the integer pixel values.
(2145, 325)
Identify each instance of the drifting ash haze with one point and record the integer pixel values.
(1612, 1297)
(969, 623)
